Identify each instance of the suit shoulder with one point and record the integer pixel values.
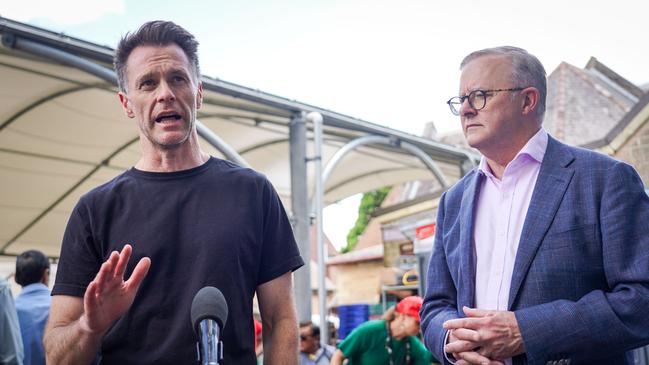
(457, 190)
(590, 159)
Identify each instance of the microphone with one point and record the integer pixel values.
(209, 313)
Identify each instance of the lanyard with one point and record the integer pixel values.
(388, 346)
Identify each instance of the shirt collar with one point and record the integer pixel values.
(534, 148)
(34, 287)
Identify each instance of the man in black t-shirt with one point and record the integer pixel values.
(188, 220)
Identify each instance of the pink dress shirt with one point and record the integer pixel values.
(500, 214)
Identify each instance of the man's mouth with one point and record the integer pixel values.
(167, 117)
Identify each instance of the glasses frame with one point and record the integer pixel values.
(471, 96)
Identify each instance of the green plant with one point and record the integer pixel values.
(369, 202)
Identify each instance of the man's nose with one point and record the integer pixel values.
(466, 108)
(165, 93)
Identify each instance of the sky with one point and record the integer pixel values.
(394, 63)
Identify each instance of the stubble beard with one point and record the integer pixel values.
(167, 146)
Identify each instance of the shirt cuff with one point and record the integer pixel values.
(447, 355)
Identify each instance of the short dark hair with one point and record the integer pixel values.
(315, 330)
(156, 33)
(30, 266)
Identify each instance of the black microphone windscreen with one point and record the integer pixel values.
(209, 303)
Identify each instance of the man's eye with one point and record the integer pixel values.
(146, 83)
(178, 79)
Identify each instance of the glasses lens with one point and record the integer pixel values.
(303, 338)
(455, 104)
(477, 99)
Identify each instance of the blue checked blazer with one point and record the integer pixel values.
(580, 286)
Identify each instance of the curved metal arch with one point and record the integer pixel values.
(361, 141)
(356, 177)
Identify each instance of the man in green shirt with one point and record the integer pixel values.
(390, 341)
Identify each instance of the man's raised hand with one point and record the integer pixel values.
(108, 296)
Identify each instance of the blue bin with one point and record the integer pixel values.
(351, 316)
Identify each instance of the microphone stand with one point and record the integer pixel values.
(210, 349)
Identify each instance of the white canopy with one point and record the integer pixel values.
(62, 132)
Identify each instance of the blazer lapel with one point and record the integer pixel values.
(466, 295)
(551, 184)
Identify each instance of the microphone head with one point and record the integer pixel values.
(209, 303)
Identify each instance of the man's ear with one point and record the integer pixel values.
(123, 99)
(199, 95)
(531, 98)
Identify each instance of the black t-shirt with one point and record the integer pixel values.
(217, 224)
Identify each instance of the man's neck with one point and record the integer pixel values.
(184, 157)
(312, 353)
(501, 157)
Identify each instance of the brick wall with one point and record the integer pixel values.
(636, 152)
(358, 283)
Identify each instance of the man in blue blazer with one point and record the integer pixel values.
(541, 254)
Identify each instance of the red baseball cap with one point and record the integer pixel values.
(410, 306)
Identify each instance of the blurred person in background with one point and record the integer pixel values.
(389, 341)
(11, 344)
(311, 353)
(33, 302)
(259, 342)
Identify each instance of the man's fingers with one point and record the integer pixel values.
(140, 271)
(100, 279)
(471, 323)
(460, 346)
(467, 335)
(124, 256)
(452, 324)
(89, 298)
(475, 358)
(112, 262)
(474, 312)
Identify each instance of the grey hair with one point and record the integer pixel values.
(527, 69)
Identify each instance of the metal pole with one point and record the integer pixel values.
(316, 119)
(216, 141)
(300, 214)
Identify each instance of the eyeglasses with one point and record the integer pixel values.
(304, 337)
(477, 99)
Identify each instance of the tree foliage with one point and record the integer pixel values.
(369, 202)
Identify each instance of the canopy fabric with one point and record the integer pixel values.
(62, 132)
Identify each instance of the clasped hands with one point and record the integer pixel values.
(485, 337)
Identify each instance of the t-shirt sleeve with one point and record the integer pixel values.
(421, 355)
(353, 343)
(79, 261)
(280, 253)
